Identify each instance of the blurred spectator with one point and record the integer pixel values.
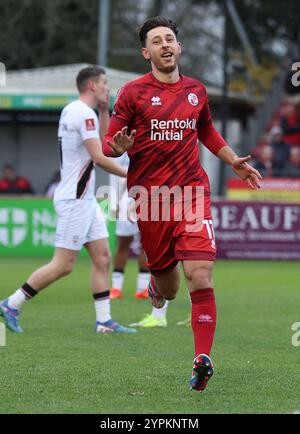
(50, 189)
(13, 184)
(290, 124)
(292, 168)
(281, 151)
(264, 160)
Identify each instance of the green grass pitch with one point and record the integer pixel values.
(59, 365)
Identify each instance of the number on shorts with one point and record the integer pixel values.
(210, 232)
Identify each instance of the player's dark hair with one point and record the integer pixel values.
(152, 23)
(86, 74)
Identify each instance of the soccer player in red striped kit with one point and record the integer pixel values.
(158, 120)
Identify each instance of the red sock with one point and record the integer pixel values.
(204, 316)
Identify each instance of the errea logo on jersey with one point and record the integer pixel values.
(156, 100)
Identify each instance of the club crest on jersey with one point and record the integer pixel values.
(90, 125)
(193, 99)
(156, 100)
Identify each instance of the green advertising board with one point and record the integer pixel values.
(39, 102)
(27, 227)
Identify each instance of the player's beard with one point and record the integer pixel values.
(167, 69)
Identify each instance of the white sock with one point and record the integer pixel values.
(102, 308)
(17, 299)
(143, 281)
(160, 313)
(117, 280)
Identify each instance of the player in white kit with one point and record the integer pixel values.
(80, 220)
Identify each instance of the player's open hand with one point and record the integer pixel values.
(122, 142)
(247, 172)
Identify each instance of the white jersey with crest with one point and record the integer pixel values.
(78, 122)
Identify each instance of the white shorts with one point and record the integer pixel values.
(79, 222)
(126, 228)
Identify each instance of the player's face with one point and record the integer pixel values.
(162, 49)
(101, 89)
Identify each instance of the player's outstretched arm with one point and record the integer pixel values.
(213, 140)
(241, 167)
(94, 148)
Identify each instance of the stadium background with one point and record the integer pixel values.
(244, 52)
